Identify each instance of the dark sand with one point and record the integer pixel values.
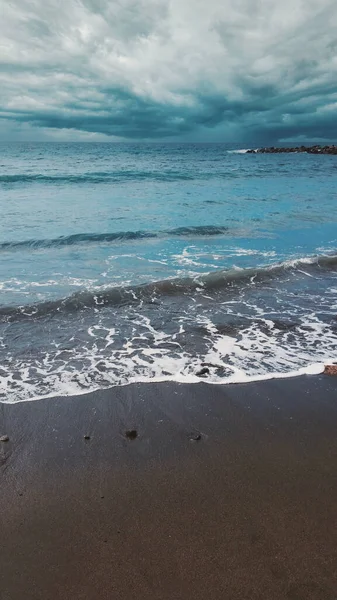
(249, 511)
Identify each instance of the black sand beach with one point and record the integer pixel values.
(224, 492)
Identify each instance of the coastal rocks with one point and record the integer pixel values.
(304, 149)
(4, 438)
(330, 370)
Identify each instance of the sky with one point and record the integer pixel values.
(180, 70)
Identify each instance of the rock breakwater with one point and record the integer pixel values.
(305, 149)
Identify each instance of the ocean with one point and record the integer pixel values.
(126, 263)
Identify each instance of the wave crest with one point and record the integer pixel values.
(148, 292)
(96, 177)
(90, 238)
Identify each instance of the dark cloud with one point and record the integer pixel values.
(151, 69)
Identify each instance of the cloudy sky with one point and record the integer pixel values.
(168, 69)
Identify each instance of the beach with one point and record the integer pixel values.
(168, 300)
(179, 491)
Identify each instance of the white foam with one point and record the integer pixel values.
(241, 151)
(135, 346)
(185, 258)
(67, 387)
(253, 356)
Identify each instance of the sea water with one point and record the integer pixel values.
(139, 262)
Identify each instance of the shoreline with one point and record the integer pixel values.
(224, 492)
(311, 369)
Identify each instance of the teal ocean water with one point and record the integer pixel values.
(132, 262)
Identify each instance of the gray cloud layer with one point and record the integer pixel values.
(156, 68)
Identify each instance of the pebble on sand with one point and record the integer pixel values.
(202, 372)
(4, 438)
(87, 437)
(131, 434)
(330, 370)
(195, 436)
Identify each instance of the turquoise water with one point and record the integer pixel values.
(128, 262)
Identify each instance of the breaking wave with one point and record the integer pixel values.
(148, 292)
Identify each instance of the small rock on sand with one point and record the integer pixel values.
(87, 437)
(4, 438)
(330, 370)
(195, 436)
(204, 371)
(131, 434)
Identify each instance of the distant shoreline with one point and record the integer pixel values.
(304, 149)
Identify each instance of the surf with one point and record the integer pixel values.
(232, 279)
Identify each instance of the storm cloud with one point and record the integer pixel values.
(185, 69)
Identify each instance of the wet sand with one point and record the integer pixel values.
(227, 492)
